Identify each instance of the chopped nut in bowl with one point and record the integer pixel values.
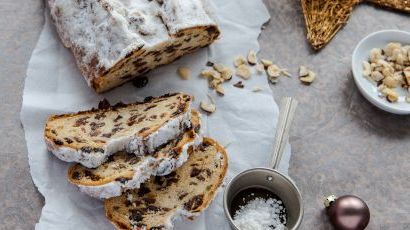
(381, 70)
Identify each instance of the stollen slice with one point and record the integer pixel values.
(123, 171)
(90, 137)
(185, 192)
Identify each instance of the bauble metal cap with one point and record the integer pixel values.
(329, 200)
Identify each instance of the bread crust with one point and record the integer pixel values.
(102, 80)
(121, 222)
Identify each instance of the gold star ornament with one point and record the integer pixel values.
(324, 18)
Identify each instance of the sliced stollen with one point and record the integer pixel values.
(115, 41)
(183, 193)
(90, 137)
(123, 171)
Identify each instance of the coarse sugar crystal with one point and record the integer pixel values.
(261, 214)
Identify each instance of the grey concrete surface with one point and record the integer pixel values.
(20, 25)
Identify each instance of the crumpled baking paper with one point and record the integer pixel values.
(244, 121)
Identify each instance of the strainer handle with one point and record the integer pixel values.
(286, 113)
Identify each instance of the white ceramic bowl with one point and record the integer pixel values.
(369, 89)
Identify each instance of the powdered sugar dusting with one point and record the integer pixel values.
(261, 214)
(105, 31)
(182, 14)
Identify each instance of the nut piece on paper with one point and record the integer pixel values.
(252, 60)
(184, 73)
(239, 60)
(243, 71)
(207, 107)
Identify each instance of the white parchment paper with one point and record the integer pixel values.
(244, 120)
